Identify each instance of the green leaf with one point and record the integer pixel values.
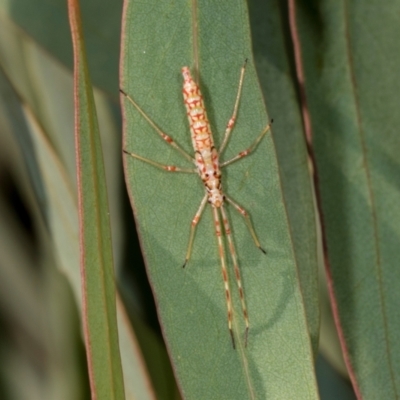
(212, 39)
(351, 63)
(270, 34)
(97, 270)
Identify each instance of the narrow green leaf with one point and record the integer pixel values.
(271, 35)
(99, 295)
(351, 62)
(212, 38)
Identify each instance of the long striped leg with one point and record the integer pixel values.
(163, 135)
(193, 227)
(246, 152)
(231, 122)
(169, 168)
(224, 271)
(237, 271)
(247, 219)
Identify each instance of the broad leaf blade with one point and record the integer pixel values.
(97, 271)
(351, 62)
(160, 38)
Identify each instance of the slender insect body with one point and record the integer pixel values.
(206, 155)
(208, 166)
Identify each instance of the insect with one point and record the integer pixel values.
(207, 164)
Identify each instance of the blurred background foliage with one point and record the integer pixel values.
(41, 350)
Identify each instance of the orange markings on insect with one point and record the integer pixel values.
(237, 273)
(167, 138)
(224, 275)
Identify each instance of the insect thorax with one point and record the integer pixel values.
(210, 173)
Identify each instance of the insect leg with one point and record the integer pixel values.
(237, 271)
(169, 168)
(193, 227)
(247, 219)
(224, 272)
(232, 120)
(246, 152)
(163, 135)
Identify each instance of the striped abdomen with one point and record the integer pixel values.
(206, 156)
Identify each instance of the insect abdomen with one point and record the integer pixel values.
(200, 130)
(206, 157)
